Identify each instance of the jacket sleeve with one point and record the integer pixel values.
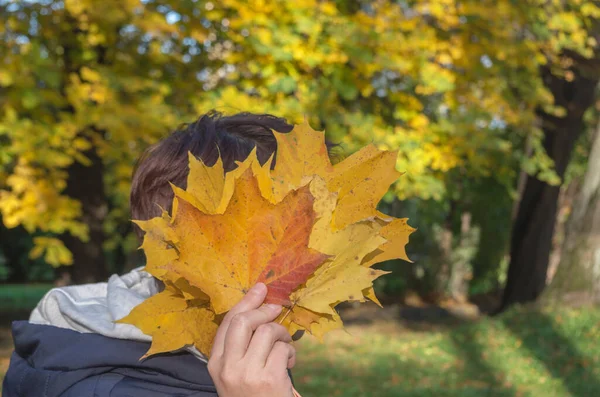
(23, 381)
(117, 385)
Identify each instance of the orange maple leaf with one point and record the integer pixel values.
(252, 241)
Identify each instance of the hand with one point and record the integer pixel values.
(251, 353)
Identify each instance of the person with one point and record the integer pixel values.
(71, 347)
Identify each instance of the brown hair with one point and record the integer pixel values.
(233, 137)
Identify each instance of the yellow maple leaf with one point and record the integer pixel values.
(301, 153)
(159, 243)
(174, 323)
(206, 186)
(361, 180)
(396, 233)
(308, 229)
(305, 320)
(347, 249)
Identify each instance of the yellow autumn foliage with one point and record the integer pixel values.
(448, 85)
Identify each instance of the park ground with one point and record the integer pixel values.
(427, 351)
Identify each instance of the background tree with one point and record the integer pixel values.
(571, 75)
(578, 275)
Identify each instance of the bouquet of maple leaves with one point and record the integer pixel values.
(307, 229)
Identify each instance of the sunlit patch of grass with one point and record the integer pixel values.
(521, 353)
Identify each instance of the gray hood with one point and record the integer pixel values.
(94, 308)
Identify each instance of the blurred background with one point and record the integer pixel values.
(492, 105)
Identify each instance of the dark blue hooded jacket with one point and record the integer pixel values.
(51, 362)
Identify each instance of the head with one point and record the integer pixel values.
(233, 137)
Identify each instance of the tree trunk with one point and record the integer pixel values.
(444, 238)
(578, 275)
(533, 228)
(566, 198)
(522, 180)
(86, 184)
(462, 257)
(13, 244)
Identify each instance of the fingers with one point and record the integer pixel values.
(283, 355)
(243, 378)
(251, 353)
(263, 341)
(242, 327)
(253, 299)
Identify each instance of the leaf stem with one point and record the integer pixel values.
(289, 310)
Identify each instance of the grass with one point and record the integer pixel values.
(521, 353)
(21, 297)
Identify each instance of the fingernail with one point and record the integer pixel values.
(259, 288)
(272, 307)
